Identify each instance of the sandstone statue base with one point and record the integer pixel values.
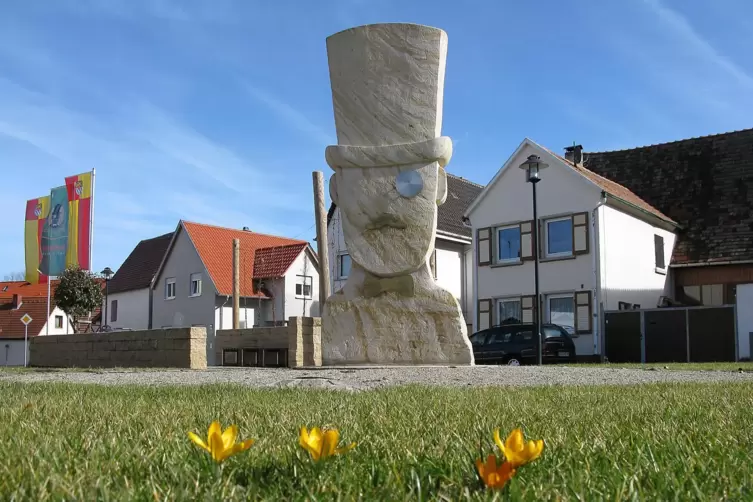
(418, 323)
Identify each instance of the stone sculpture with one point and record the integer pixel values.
(389, 178)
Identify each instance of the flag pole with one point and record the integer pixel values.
(47, 321)
(91, 225)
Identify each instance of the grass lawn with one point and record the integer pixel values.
(653, 442)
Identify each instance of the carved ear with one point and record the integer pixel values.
(333, 188)
(441, 187)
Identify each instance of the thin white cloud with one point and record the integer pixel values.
(682, 29)
(290, 115)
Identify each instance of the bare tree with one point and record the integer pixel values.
(15, 276)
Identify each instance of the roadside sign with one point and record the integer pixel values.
(26, 319)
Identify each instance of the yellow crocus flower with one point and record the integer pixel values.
(516, 450)
(322, 443)
(219, 444)
(493, 476)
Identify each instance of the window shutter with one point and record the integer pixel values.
(542, 242)
(580, 233)
(526, 241)
(659, 251)
(484, 314)
(528, 308)
(583, 312)
(484, 246)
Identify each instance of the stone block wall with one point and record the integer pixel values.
(304, 341)
(295, 345)
(156, 348)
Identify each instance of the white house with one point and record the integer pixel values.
(451, 262)
(129, 292)
(600, 247)
(12, 339)
(193, 285)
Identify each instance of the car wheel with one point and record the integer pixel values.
(513, 361)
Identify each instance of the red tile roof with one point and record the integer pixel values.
(215, 247)
(274, 262)
(614, 189)
(10, 319)
(23, 288)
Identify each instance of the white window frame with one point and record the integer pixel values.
(56, 322)
(497, 231)
(307, 280)
(195, 278)
(547, 221)
(556, 296)
(340, 266)
(498, 301)
(170, 281)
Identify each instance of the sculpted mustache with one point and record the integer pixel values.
(386, 220)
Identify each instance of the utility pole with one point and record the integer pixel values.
(236, 282)
(321, 239)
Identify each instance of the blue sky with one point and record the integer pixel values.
(218, 111)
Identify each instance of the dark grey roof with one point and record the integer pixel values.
(705, 184)
(137, 271)
(460, 194)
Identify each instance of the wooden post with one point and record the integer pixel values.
(236, 283)
(322, 250)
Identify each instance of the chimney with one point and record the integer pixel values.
(574, 154)
(17, 301)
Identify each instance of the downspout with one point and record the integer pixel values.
(597, 275)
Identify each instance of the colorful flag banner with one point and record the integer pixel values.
(80, 189)
(54, 241)
(36, 215)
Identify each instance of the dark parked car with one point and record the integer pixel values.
(514, 344)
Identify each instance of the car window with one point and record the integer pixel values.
(500, 336)
(523, 336)
(478, 338)
(551, 332)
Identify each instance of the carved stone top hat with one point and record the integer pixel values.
(387, 88)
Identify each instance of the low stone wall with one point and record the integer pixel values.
(156, 348)
(295, 345)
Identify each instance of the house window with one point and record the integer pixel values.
(114, 311)
(509, 311)
(558, 236)
(169, 289)
(508, 244)
(303, 288)
(58, 321)
(561, 310)
(195, 285)
(343, 266)
(659, 252)
(709, 295)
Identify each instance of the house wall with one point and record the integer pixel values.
(184, 310)
(133, 309)
(336, 246)
(744, 320)
(300, 305)
(12, 349)
(628, 266)
(11, 352)
(561, 191)
(223, 313)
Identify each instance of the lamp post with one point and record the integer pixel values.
(107, 272)
(533, 166)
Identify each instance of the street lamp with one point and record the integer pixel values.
(107, 272)
(533, 166)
